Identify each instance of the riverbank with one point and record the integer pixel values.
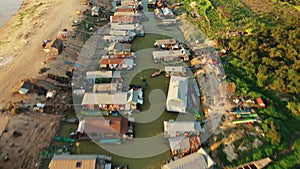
(7, 9)
(21, 37)
(26, 134)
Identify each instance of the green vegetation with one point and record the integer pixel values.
(30, 11)
(263, 63)
(291, 160)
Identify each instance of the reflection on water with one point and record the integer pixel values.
(7, 9)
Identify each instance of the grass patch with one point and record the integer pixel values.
(30, 11)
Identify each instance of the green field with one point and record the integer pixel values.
(263, 63)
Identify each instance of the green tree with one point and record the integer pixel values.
(294, 107)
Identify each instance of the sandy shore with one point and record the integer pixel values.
(21, 37)
(20, 58)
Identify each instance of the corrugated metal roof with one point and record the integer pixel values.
(70, 162)
(172, 127)
(165, 42)
(175, 69)
(199, 160)
(103, 74)
(112, 61)
(179, 143)
(105, 98)
(125, 9)
(122, 18)
(192, 161)
(177, 94)
(106, 125)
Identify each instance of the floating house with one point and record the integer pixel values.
(177, 94)
(104, 76)
(115, 38)
(181, 128)
(137, 28)
(119, 48)
(171, 55)
(118, 64)
(118, 101)
(165, 43)
(124, 19)
(179, 145)
(175, 69)
(110, 129)
(107, 101)
(126, 9)
(198, 160)
(183, 145)
(131, 34)
(67, 161)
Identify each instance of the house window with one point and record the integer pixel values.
(78, 164)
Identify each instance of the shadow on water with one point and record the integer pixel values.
(142, 130)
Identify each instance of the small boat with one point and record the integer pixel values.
(244, 120)
(64, 139)
(154, 74)
(70, 120)
(196, 113)
(246, 115)
(115, 114)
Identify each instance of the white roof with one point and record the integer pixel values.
(122, 33)
(175, 69)
(177, 94)
(197, 160)
(167, 11)
(117, 26)
(179, 143)
(167, 53)
(165, 41)
(103, 74)
(105, 98)
(171, 127)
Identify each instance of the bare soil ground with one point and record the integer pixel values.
(25, 136)
(268, 7)
(26, 133)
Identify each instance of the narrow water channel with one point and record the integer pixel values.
(142, 46)
(142, 130)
